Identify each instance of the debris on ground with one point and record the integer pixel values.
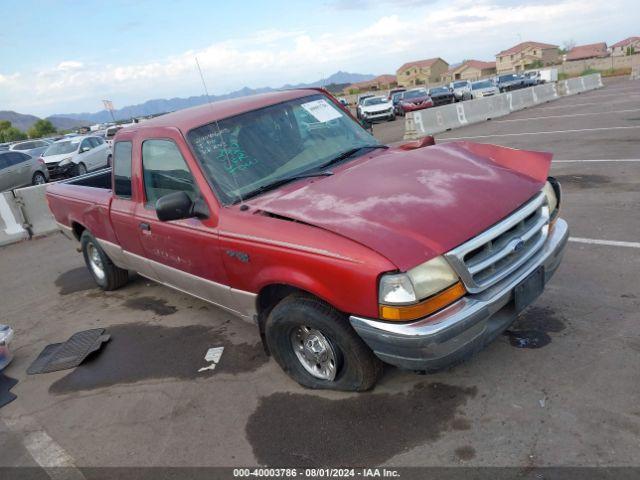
(6, 384)
(213, 355)
(70, 354)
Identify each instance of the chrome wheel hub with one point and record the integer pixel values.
(315, 353)
(95, 262)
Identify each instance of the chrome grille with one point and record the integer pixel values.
(497, 252)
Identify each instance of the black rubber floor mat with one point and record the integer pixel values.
(70, 354)
(6, 384)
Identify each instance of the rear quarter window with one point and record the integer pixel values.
(122, 169)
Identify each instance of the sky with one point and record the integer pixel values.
(63, 56)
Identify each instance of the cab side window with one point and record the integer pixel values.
(165, 171)
(122, 169)
(94, 142)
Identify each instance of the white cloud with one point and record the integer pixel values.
(454, 30)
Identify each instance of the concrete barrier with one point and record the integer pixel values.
(439, 119)
(635, 73)
(482, 109)
(35, 210)
(521, 99)
(545, 92)
(11, 221)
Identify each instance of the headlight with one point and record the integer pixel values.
(65, 161)
(419, 292)
(551, 190)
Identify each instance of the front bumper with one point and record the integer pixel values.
(464, 327)
(379, 115)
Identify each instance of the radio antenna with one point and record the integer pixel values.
(224, 145)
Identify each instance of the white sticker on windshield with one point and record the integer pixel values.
(321, 110)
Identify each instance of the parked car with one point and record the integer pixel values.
(394, 91)
(343, 101)
(461, 90)
(110, 132)
(360, 100)
(342, 251)
(33, 148)
(511, 81)
(412, 100)
(76, 156)
(5, 146)
(395, 101)
(377, 108)
(441, 95)
(483, 88)
(17, 169)
(531, 79)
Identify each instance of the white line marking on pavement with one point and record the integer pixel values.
(567, 115)
(45, 451)
(609, 243)
(547, 132)
(599, 160)
(626, 102)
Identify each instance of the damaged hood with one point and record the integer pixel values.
(412, 205)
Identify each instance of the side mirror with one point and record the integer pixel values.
(84, 149)
(178, 205)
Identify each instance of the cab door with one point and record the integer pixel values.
(126, 249)
(184, 253)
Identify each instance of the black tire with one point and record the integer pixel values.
(109, 161)
(392, 117)
(358, 369)
(114, 277)
(38, 179)
(79, 169)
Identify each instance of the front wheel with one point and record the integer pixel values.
(392, 117)
(108, 161)
(315, 345)
(79, 169)
(38, 179)
(107, 275)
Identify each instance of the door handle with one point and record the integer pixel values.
(144, 226)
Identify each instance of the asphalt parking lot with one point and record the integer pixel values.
(142, 402)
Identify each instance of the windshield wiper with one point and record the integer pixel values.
(282, 181)
(348, 153)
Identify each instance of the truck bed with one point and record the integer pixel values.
(83, 200)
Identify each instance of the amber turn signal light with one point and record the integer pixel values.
(405, 313)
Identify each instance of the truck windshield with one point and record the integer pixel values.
(244, 154)
(59, 148)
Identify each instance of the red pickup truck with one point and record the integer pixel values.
(283, 210)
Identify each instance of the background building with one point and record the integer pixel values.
(527, 55)
(582, 52)
(628, 46)
(422, 72)
(472, 70)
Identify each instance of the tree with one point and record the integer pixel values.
(567, 45)
(41, 128)
(4, 124)
(12, 134)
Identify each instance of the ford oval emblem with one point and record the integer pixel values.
(518, 245)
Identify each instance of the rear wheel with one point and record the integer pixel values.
(109, 161)
(38, 179)
(107, 275)
(315, 345)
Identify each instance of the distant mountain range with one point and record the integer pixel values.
(156, 106)
(24, 122)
